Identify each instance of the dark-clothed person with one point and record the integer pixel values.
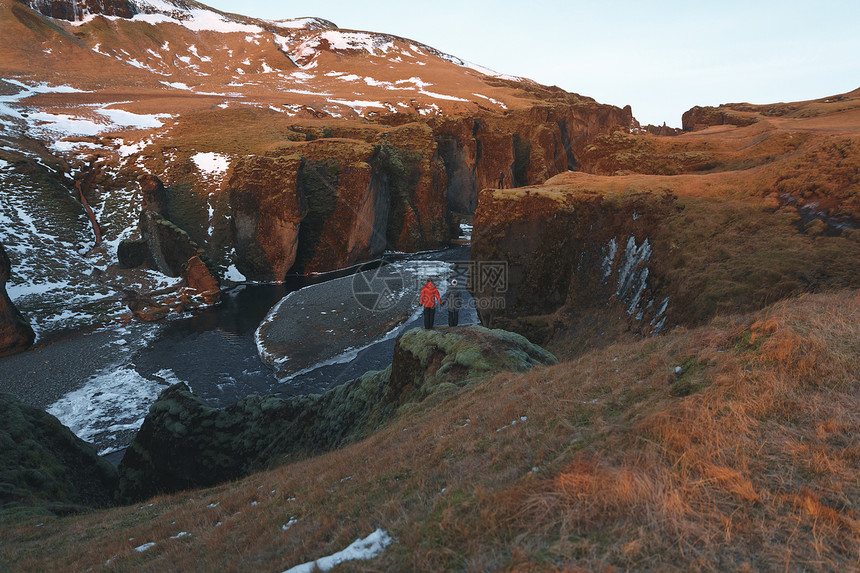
(454, 302)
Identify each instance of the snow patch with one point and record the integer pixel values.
(211, 164)
(361, 549)
(609, 251)
(177, 85)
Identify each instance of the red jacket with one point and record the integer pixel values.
(429, 295)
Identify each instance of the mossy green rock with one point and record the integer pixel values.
(44, 467)
(184, 443)
(424, 359)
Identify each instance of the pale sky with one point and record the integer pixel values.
(662, 57)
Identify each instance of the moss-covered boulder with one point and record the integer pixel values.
(44, 467)
(15, 332)
(424, 359)
(184, 443)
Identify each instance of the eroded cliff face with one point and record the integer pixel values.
(666, 231)
(329, 195)
(15, 333)
(524, 147)
(266, 210)
(568, 252)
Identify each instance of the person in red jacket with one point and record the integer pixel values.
(429, 297)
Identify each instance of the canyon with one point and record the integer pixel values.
(665, 375)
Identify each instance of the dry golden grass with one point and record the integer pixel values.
(747, 459)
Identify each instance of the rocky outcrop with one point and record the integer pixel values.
(154, 195)
(555, 249)
(144, 307)
(338, 194)
(183, 443)
(410, 166)
(266, 209)
(347, 205)
(200, 279)
(521, 148)
(425, 359)
(701, 117)
(133, 253)
(45, 467)
(15, 333)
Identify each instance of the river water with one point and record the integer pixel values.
(101, 383)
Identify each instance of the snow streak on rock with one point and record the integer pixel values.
(631, 279)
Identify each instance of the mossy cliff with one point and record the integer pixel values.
(44, 467)
(184, 443)
(266, 210)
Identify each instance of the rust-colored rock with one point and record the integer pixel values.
(701, 117)
(267, 208)
(15, 333)
(144, 307)
(199, 278)
(410, 163)
(590, 257)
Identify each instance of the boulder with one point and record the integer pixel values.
(143, 306)
(44, 467)
(15, 333)
(267, 208)
(184, 443)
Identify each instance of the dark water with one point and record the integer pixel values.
(215, 353)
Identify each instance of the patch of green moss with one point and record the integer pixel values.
(691, 379)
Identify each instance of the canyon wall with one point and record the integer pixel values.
(15, 333)
(330, 195)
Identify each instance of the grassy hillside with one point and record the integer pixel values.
(732, 446)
